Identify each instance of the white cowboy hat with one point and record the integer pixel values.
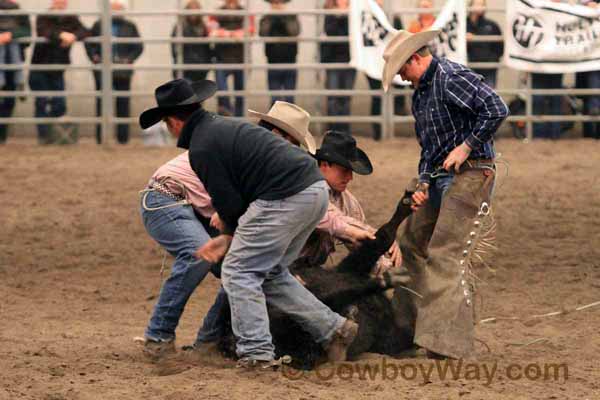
(292, 119)
(400, 49)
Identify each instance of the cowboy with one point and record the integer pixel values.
(456, 115)
(178, 105)
(272, 196)
(338, 158)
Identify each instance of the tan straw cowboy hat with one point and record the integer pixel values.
(291, 119)
(400, 49)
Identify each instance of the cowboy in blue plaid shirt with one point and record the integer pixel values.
(456, 115)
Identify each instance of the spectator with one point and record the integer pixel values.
(375, 84)
(337, 25)
(60, 31)
(591, 104)
(280, 53)
(424, 20)
(192, 26)
(122, 53)
(230, 26)
(11, 27)
(478, 24)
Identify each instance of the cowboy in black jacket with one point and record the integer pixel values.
(122, 53)
(272, 195)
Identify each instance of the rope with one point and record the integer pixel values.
(550, 314)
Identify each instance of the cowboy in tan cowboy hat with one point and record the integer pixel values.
(457, 115)
(289, 121)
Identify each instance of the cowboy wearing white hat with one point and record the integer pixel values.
(289, 121)
(456, 117)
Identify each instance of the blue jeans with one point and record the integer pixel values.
(255, 271)
(282, 79)
(591, 104)
(546, 105)
(339, 105)
(177, 230)
(238, 84)
(48, 107)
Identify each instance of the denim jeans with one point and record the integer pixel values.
(122, 109)
(339, 105)
(376, 105)
(255, 272)
(238, 84)
(546, 105)
(7, 105)
(282, 79)
(47, 107)
(177, 230)
(591, 104)
(10, 53)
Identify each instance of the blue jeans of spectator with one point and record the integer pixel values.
(7, 105)
(591, 104)
(47, 107)
(178, 231)
(339, 105)
(376, 105)
(238, 84)
(282, 79)
(489, 76)
(255, 271)
(122, 109)
(10, 52)
(546, 105)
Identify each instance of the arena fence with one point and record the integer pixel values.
(387, 119)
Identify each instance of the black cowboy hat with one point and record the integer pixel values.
(175, 94)
(340, 148)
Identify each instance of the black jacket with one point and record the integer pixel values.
(18, 25)
(336, 52)
(193, 53)
(239, 162)
(50, 27)
(230, 53)
(484, 51)
(280, 26)
(122, 53)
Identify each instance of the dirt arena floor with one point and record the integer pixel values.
(79, 277)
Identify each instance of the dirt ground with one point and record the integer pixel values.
(79, 277)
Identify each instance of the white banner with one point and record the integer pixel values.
(452, 42)
(370, 31)
(544, 36)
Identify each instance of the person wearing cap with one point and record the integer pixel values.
(339, 158)
(178, 101)
(457, 115)
(271, 195)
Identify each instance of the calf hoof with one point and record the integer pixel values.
(337, 350)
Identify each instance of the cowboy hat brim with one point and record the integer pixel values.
(403, 52)
(306, 139)
(362, 165)
(203, 90)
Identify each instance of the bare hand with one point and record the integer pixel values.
(395, 255)
(357, 235)
(420, 197)
(457, 157)
(238, 34)
(217, 223)
(66, 39)
(5, 37)
(215, 249)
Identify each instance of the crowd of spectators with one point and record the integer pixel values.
(61, 31)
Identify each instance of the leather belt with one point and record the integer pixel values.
(163, 189)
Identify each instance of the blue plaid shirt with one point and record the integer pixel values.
(453, 105)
